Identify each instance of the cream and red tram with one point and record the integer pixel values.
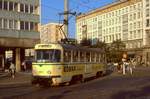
(62, 63)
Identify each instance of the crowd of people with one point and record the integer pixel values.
(126, 66)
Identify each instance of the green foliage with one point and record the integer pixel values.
(117, 45)
(100, 44)
(86, 42)
(116, 51)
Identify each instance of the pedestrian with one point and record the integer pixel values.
(124, 68)
(119, 67)
(131, 67)
(12, 70)
(133, 62)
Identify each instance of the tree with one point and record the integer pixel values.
(117, 45)
(100, 44)
(116, 50)
(86, 42)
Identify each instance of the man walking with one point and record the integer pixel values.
(12, 70)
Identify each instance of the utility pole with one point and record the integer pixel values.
(66, 13)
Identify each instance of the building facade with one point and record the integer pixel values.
(19, 20)
(19, 27)
(51, 33)
(125, 19)
(146, 17)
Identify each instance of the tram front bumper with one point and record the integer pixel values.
(46, 79)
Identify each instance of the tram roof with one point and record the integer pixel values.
(72, 47)
(80, 48)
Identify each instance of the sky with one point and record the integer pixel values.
(50, 10)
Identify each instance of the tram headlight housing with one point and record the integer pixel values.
(49, 72)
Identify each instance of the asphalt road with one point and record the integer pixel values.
(113, 86)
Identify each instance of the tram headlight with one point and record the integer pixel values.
(49, 72)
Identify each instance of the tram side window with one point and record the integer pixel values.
(87, 57)
(57, 55)
(97, 57)
(92, 57)
(82, 57)
(67, 56)
(75, 56)
(104, 58)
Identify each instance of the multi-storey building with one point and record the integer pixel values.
(146, 18)
(52, 33)
(123, 20)
(19, 21)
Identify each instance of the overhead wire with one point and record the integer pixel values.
(83, 4)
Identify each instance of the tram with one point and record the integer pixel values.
(56, 64)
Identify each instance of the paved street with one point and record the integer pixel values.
(113, 86)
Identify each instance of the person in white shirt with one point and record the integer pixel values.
(12, 70)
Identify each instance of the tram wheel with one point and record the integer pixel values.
(99, 74)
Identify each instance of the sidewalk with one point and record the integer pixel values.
(21, 78)
(3, 74)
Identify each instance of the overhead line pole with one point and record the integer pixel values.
(66, 14)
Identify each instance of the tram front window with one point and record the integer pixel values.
(48, 55)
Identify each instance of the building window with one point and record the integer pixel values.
(139, 25)
(139, 15)
(130, 17)
(131, 35)
(31, 26)
(5, 24)
(5, 5)
(21, 7)
(15, 24)
(147, 3)
(15, 6)
(131, 26)
(134, 17)
(1, 3)
(138, 34)
(135, 25)
(31, 9)
(26, 26)
(134, 34)
(147, 12)
(26, 9)
(10, 24)
(11, 4)
(134, 7)
(22, 25)
(147, 23)
(1, 23)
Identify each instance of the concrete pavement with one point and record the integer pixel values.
(21, 78)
